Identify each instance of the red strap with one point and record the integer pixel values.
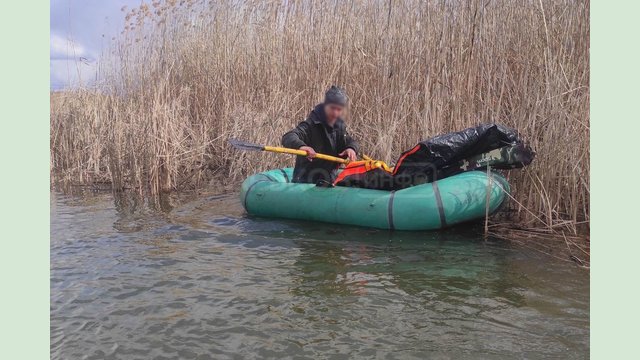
(415, 148)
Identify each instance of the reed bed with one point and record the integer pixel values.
(185, 76)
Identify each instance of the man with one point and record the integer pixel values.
(322, 132)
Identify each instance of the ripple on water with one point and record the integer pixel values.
(198, 280)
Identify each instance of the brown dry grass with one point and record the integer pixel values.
(186, 76)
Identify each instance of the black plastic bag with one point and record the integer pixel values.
(445, 155)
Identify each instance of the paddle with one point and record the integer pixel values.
(242, 145)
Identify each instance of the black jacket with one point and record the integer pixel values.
(315, 132)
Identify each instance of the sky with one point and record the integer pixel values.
(79, 30)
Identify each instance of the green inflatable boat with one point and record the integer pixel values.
(430, 206)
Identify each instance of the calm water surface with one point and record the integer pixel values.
(201, 280)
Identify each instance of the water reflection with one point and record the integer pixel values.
(136, 213)
(405, 263)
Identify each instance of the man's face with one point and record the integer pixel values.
(333, 112)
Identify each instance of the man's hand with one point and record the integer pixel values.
(349, 153)
(310, 152)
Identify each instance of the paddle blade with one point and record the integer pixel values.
(243, 145)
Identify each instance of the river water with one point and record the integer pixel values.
(198, 279)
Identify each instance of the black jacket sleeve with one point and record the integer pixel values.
(297, 137)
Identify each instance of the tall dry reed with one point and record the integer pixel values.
(185, 76)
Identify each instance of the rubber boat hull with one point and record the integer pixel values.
(431, 206)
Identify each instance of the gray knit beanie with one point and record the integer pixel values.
(336, 95)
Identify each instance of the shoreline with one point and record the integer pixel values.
(574, 248)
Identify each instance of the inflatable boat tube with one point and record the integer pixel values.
(430, 206)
